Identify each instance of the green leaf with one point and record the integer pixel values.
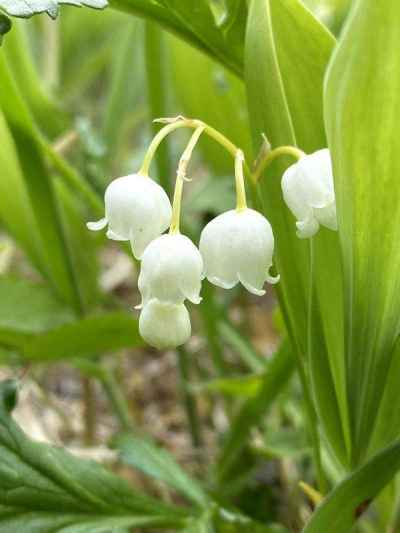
(28, 308)
(193, 21)
(211, 93)
(27, 8)
(340, 509)
(239, 386)
(45, 489)
(46, 111)
(157, 463)
(16, 213)
(90, 336)
(365, 149)
(54, 253)
(284, 83)
(278, 372)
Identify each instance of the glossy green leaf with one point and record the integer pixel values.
(341, 508)
(193, 21)
(365, 147)
(285, 102)
(158, 463)
(90, 336)
(27, 8)
(45, 489)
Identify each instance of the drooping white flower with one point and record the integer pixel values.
(237, 246)
(164, 325)
(308, 191)
(137, 209)
(171, 270)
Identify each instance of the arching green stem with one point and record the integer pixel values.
(180, 178)
(273, 154)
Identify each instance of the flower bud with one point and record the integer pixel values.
(237, 246)
(171, 270)
(137, 210)
(164, 325)
(308, 191)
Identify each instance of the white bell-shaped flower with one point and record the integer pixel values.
(137, 209)
(237, 246)
(171, 270)
(309, 193)
(164, 325)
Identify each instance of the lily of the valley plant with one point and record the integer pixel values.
(235, 247)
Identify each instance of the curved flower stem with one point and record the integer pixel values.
(273, 154)
(173, 124)
(180, 178)
(169, 128)
(241, 203)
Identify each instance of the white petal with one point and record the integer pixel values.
(113, 236)
(327, 216)
(307, 228)
(98, 225)
(164, 325)
(137, 209)
(308, 191)
(171, 270)
(238, 246)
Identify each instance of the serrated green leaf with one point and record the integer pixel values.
(28, 8)
(365, 147)
(90, 336)
(158, 463)
(44, 489)
(341, 508)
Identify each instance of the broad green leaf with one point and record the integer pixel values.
(80, 243)
(209, 92)
(284, 84)
(124, 83)
(277, 375)
(341, 508)
(15, 210)
(47, 112)
(193, 21)
(159, 464)
(365, 147)
(157, 69)
(55, 257)
(27, 8)
(45, 489)
(90, 336)
(28, 308)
